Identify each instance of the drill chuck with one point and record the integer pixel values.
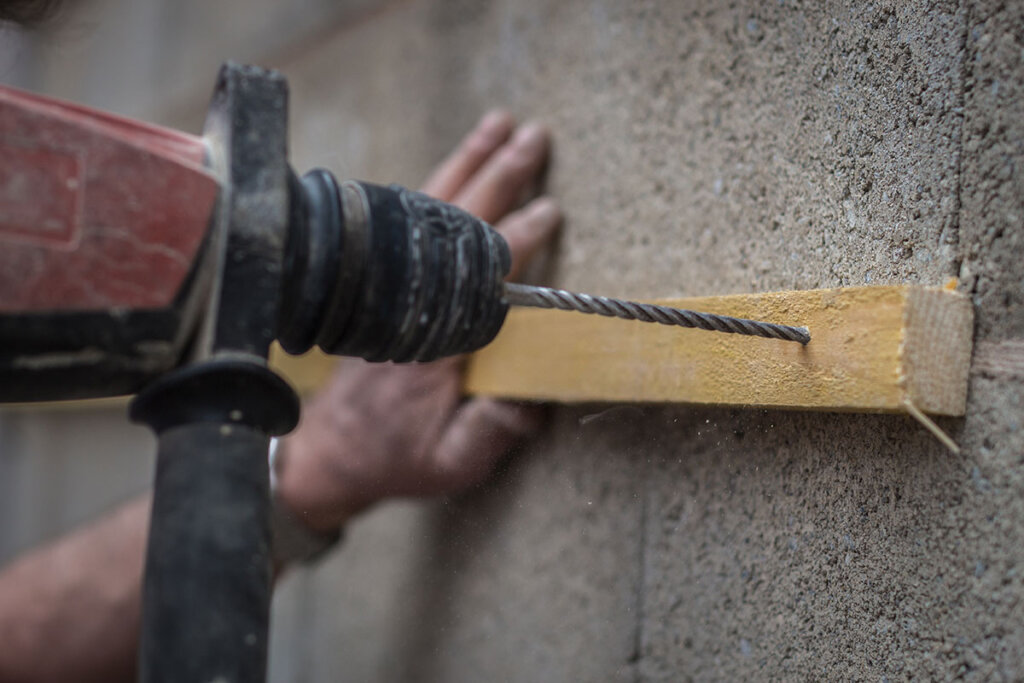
(386, 273)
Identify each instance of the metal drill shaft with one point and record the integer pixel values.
(544, 297)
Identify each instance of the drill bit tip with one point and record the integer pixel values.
(545, 297)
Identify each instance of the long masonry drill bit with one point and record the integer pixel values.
(544, 297)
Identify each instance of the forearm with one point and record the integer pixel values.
(70, 610)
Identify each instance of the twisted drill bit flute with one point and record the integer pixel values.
(544, 297)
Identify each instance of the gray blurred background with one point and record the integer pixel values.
(701, 148)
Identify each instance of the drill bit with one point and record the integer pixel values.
(544, 297)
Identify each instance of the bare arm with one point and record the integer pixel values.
(70, 610)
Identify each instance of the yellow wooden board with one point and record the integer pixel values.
(307, 372)
(872, 349)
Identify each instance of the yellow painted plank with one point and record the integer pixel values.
(871, 349)
(307, 372)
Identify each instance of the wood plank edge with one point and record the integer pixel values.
(935, 355)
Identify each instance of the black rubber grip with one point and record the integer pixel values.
(417, 279)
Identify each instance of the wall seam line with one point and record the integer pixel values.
(642, 576)
(966, 72)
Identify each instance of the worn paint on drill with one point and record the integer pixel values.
(97, 212)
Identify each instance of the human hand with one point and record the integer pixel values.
(380, 430)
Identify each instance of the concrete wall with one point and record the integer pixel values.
(700, 148)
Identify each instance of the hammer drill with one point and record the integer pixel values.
(136, 259)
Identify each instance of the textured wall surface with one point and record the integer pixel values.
(701, 148)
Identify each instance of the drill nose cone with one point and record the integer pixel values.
(416, 279)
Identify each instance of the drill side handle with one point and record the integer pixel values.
(206, 592)
(207, 584)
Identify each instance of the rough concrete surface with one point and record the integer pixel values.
(701, 148)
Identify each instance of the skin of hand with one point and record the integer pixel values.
(381, 430)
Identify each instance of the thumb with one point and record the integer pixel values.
(479, 434)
